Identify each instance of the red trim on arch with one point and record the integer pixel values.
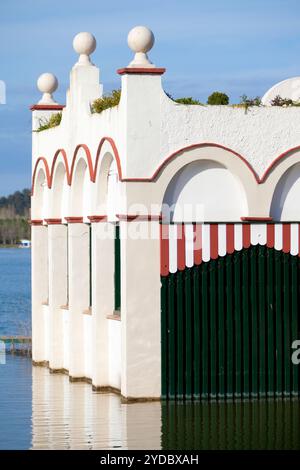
(48, 175)
(70, 172)
(88, 157)
(184, 149)
(116, 155)
(64, 155)
(276, 161)
(93, 170)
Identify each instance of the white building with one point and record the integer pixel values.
(128, 303)
(25, 243)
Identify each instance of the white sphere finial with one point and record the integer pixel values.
(84, 44)
(47, 84)
(140, 40)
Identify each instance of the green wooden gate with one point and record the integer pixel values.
(228, 325)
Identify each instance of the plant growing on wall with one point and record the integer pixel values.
(279, 101)
(246, 102)
(218, 98)
(47, 123)
(106, 102)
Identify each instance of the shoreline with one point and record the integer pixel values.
(14, 246)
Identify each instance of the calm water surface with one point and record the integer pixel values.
(15, 291)
(39, 410)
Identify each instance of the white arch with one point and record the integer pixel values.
(59, 191)
(204, 190)
(39, 209)
(107, 191)
(80, 190)
(285, 205)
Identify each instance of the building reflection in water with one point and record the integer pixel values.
(70, 416)
(258, 424)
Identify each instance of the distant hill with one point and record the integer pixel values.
(14, 215)
(16, 205)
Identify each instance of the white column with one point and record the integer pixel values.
(39, 262)
(58, 278)
(140, 311)
(78, 237)
(102, 297)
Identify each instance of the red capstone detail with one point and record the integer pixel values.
(47, 107)
(141, 70)
(74, 220)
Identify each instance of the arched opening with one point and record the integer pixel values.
(59, 192)
(285, 202)
(204, 190)
(108, 203)
(39, 200)
(77, 188)
(112, 197)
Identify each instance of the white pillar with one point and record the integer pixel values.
(39, 262)
(78, 238)
(140, 310)
(102, 298)
(58, 278)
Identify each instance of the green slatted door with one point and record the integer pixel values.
(117, 270)
(228, 326)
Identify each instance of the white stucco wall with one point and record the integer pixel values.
(114, 353)
(45, 312)
(66, 327)
(88, 341)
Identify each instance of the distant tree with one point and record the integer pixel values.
(14, 213)
(16, 204)
(218, 98)
(187, 100)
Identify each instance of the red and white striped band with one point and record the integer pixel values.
(186, 245)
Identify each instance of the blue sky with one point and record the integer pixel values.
(235, 46)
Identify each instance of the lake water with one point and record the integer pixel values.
(39, 410)
(15, 317)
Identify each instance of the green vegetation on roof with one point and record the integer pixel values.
(106, 102)
(47, 123)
